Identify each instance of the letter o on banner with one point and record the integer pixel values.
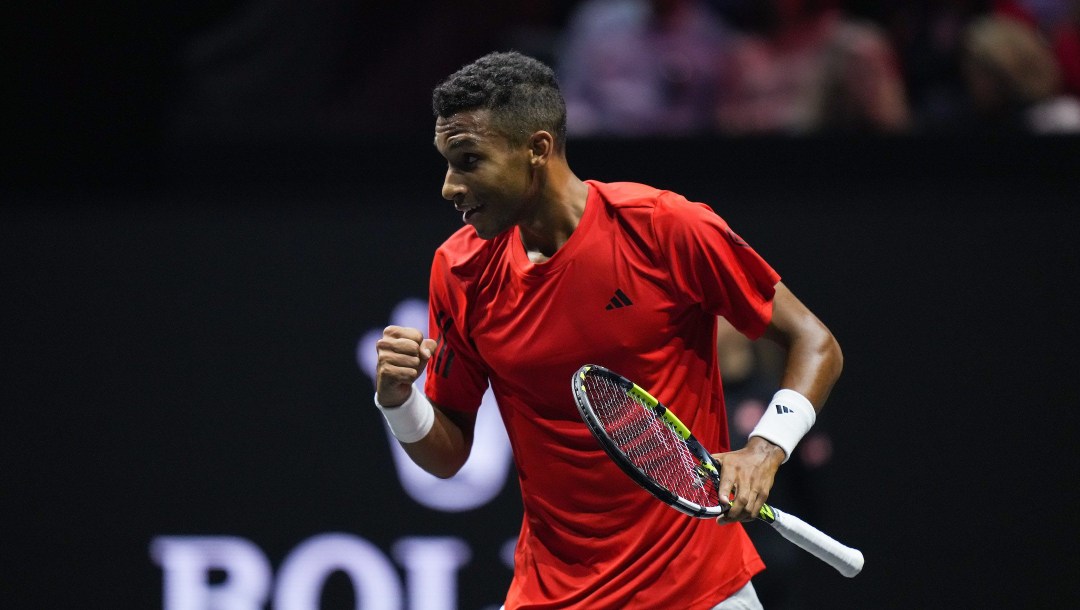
(305, 570)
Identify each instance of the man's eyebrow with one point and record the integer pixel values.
(459, 141)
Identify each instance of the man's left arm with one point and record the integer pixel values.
(813, 365)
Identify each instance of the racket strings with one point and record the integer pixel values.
(650, 443)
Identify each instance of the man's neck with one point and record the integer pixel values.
(557, 218)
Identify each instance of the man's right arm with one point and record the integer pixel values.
(403, 354)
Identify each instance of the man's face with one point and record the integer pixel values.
(488, 178)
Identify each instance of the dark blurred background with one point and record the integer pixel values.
(207, 208)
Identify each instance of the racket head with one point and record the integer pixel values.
(648, 442)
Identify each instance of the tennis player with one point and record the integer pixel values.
(552, 272)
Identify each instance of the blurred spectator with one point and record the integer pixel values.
(1014, 79)
(1066, 43)
(810, 68)
(927, 35)
(1047, 15)
(641, 67)
(862, 89)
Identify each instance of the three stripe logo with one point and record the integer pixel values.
(619, 300)
(781, 409)
(444, 355)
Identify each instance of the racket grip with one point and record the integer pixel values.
(846, 560)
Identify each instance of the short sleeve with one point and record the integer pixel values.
(456, 378)
(714, 267)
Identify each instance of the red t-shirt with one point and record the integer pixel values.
(637, 289)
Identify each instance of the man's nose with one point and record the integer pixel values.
(452, 189)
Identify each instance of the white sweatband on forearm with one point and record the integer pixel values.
(787, 419)
(412, 420)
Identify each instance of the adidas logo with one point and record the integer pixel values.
(619, 300)
(782, 409)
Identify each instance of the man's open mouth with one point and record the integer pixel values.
(470, 212)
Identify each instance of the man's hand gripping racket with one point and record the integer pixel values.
(660, 454)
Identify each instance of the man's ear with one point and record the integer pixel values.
(541, 147)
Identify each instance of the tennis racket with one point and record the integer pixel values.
(660, 454)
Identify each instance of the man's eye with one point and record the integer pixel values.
(469, 160)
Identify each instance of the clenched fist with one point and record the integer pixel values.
(403, 354)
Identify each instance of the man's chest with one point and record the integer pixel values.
(609, 305)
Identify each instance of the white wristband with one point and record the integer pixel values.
(412, 420)
(787, 419)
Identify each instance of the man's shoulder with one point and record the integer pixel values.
(628, 194)
(633, 200)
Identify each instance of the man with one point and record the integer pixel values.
(552, 273)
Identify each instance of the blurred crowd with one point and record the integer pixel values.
(633, 67)
(677, 67)
(111, 98)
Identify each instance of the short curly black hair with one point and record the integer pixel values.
(520, 91)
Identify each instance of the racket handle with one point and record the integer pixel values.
(846, 560)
